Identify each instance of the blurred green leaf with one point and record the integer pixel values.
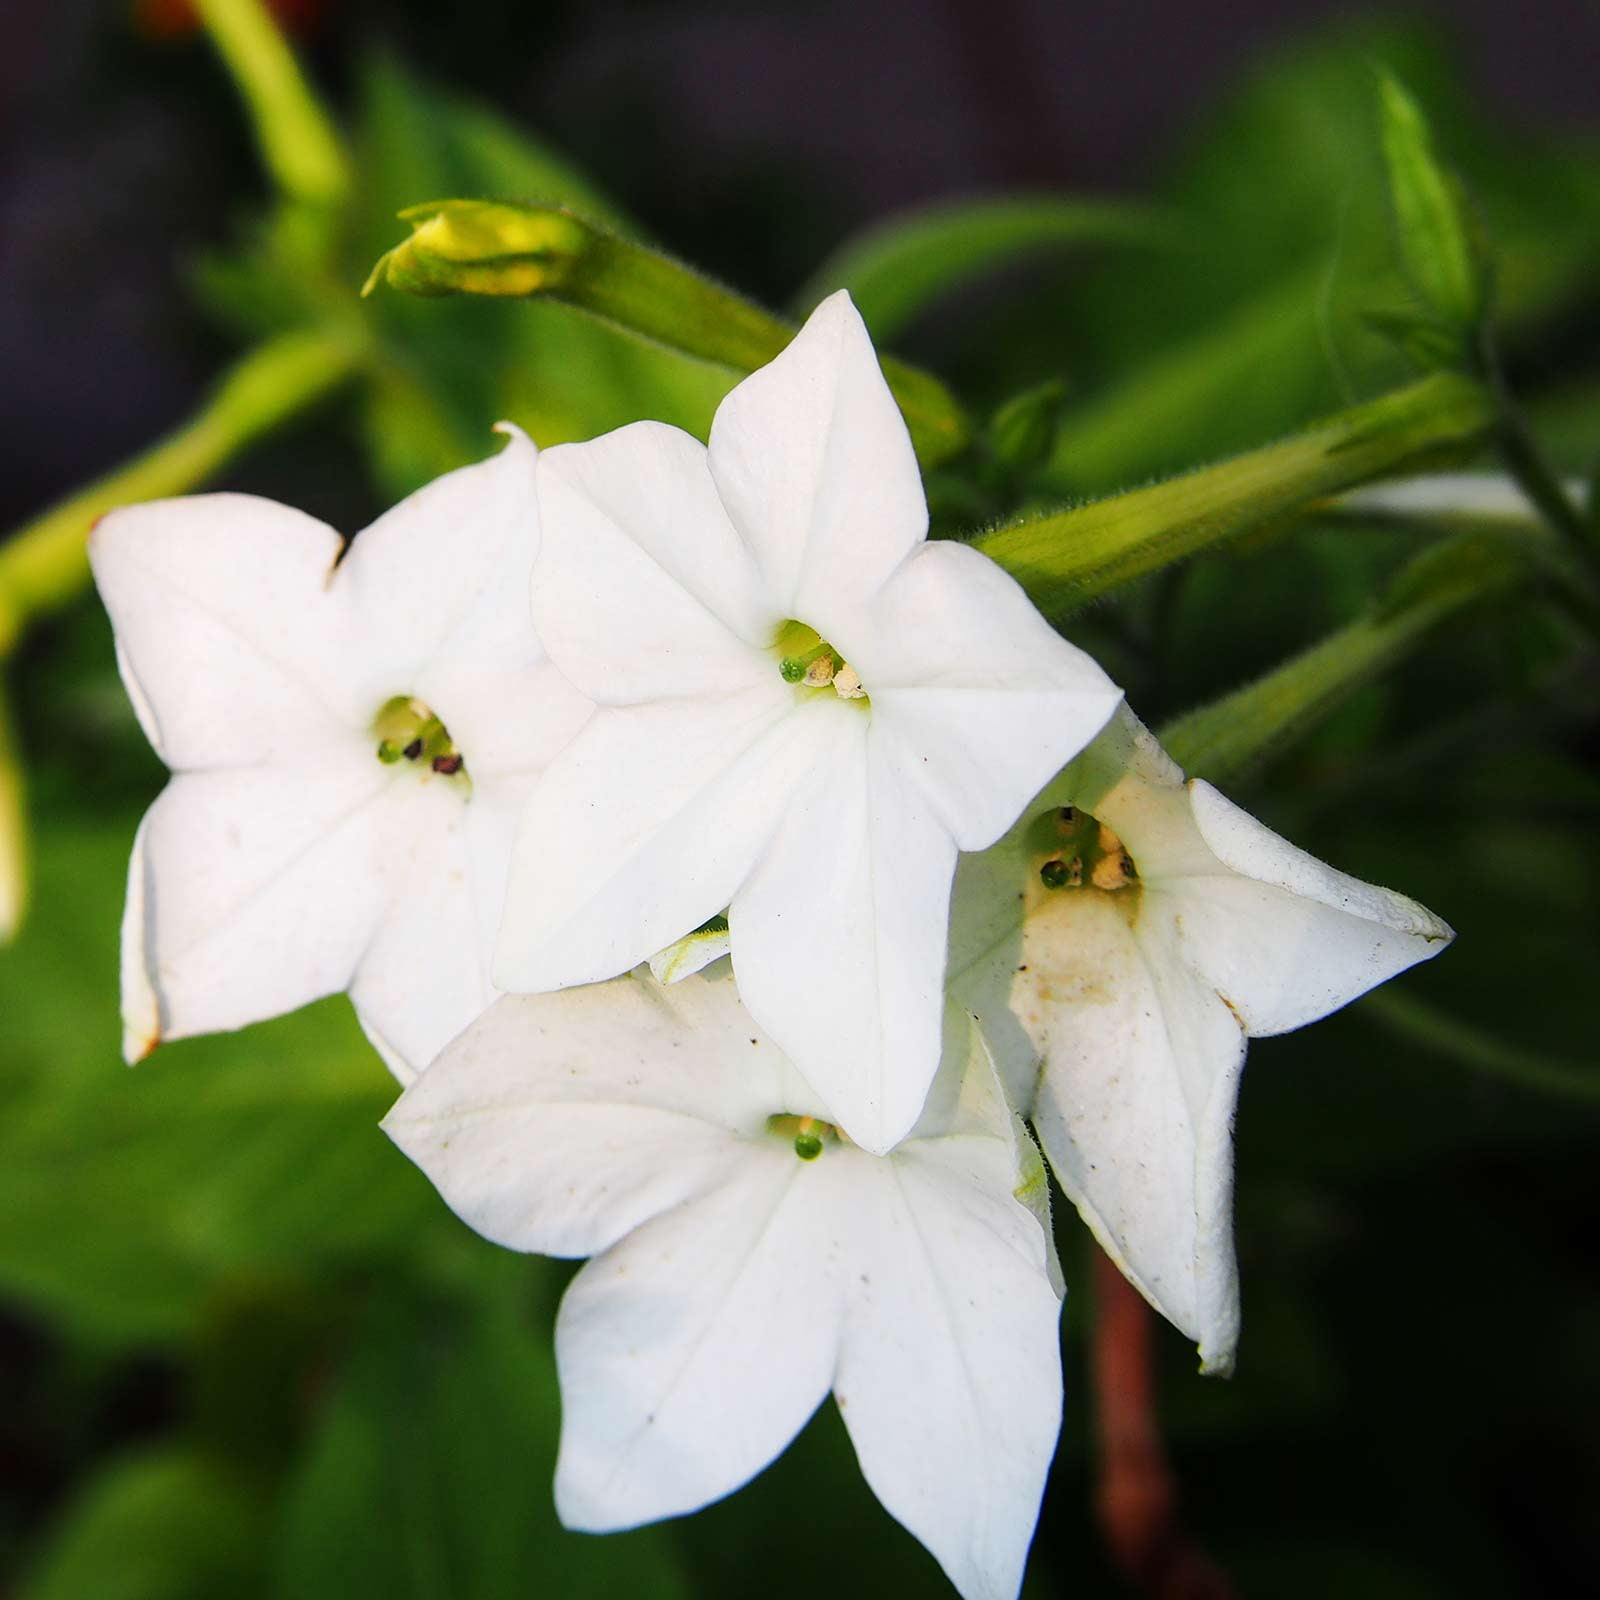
(128, 1197)
(1439, 239)
(168, 1524)
(1279, 199)
(898, 268)
(429, 1477)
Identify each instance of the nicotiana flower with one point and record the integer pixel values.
(352, 733)
(805, 711)
(1119, 946)
(748, 1258)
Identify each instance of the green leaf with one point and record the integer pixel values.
(1071, 557)
(168, 1524)
(129, 1198)
(429, 1476)
(898, 268)
(511, 250)
(1439, 244)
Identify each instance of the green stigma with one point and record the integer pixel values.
(408, 731)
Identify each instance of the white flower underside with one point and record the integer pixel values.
(733, 1284)
(827, 829)
(1121, 1018)
(283, 861)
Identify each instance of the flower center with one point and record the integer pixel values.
(408, 731)
(809, 1134)
(1081, 852)
(807, 661)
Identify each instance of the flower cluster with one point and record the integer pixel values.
(752, 713)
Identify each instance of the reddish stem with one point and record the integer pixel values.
(1137, 1497)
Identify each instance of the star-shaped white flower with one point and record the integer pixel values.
(1118, 954)
(747, 1259)
(805, 711)
(289, 858)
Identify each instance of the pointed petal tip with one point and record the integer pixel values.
(139, 1044)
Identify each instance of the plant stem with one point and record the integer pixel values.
(299, 142)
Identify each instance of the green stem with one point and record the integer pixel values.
(45, 563)
(1068, 558)
(1421, 1023)
(299, 143)
(1220, 741)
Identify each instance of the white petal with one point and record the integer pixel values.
(444, 575)
(141, 1005)
(813, 462)
(982, 700)
(949, 1376)
(1469, 494)
(839, 935)
(228, 632)
(511, 714)
(561, 1122)
(643, 829)
(692, 1352)
(1135, 1102)
(259, 890)
(1289, 939)
(643, 589)
(425, 974)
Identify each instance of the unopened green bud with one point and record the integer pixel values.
(389, 752)
(807, 1146)
(495, 247)
(1440, 241)
(484, 247)
(1022, 433)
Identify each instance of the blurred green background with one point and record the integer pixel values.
(247, 1350)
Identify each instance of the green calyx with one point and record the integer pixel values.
(1078, 851)
(409, 732)
(807, 661)
(808, 1134)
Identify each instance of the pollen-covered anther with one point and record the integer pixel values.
(1114, 869)
(820, 672)
(847, 683)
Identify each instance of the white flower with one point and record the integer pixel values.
(747, 1260)
(1120, 954)
(805, 710)
(285, 860)
(1449, 494)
